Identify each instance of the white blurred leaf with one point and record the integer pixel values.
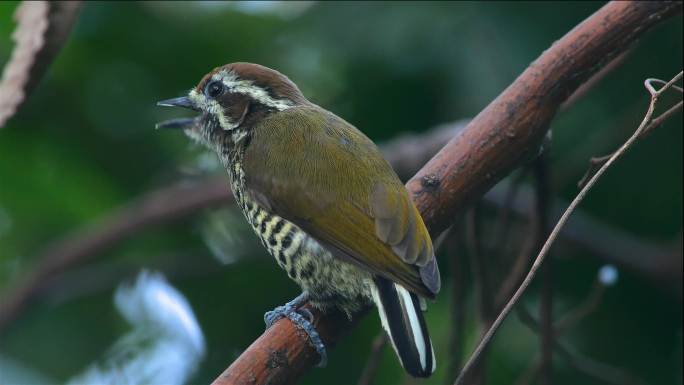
(165, 345)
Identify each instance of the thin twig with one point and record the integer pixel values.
(529, 375)
(588, 366)
(595, 79)
(517, 272)
(373, 363)
(554, 234)
(542, 194)
(663, 117)
(480, 272)
(503, 222)
(457, 330)
(522, 260)
(479, 265)
(588, 306)
(593, 368)
(598, 161)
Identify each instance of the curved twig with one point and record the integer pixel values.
(556, 230)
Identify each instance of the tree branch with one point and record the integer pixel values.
(509, 130)
(42, 29)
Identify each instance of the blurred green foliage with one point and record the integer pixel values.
(84, 144)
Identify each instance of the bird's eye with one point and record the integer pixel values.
(214, 89)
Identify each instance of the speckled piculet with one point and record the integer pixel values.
(322, 200)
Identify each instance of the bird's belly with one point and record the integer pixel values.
(328, 280)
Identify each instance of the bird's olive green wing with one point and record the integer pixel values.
(318, 171)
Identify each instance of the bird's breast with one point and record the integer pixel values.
(328, 280)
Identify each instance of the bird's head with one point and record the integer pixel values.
(230, 100)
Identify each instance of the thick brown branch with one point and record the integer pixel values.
(282, 353)
(510, 129)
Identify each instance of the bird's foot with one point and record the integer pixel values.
(303, 319)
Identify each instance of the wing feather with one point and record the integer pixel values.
(324, 175)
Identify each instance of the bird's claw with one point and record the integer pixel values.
(302, 319)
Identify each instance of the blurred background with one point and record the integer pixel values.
(84, 145)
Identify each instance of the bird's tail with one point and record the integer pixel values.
(402, 319)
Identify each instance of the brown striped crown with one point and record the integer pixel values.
(276, 85)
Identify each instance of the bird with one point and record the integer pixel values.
(322, 200)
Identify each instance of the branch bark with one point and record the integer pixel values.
(510, 129)
(42, 29)
(503, 135)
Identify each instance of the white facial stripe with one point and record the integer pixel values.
(214, 108)
(233, 84)
(246, 87)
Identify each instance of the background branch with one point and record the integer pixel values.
(42, 29)
(591, 368)
(542, 194)
(479, 264)
(377, 347)
(160, 206)
(458, 302)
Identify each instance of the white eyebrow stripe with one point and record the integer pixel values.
(246, 87)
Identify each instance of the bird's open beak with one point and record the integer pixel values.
(181, 123)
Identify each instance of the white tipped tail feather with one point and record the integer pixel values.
(402, 318)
